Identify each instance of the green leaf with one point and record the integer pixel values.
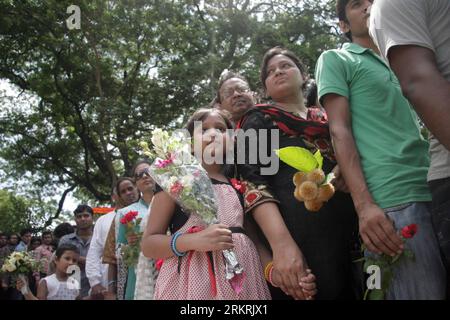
(319, 159)
(368, 263)
(298, 158)
(408, 253)
(395, 258)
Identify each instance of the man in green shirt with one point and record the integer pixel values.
(381, 153)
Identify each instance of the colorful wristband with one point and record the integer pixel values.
(173, 245)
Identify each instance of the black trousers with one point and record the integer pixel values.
(440, 190)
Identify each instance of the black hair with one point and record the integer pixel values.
(83, 208)
(274, 52)
(25, 231)
(202, 113)
(122, 179)
(34, 239)
(311, 93)
(342, 16)
(63, 229)
(46, 232)
(138, 163)
(66, 247)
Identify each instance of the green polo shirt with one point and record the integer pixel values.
(394, 156)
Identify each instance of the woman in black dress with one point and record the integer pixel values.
(322, 241)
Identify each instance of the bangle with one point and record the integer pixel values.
(173, 245)
(270, 278)
(267, 269)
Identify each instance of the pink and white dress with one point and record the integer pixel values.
(193, 282)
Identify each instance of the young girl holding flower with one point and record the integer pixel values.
(194, 266)
(58, 286)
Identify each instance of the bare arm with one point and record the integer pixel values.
(288, 260)
(156, 244)
(42, 290)
(424, 86)
(376, 229)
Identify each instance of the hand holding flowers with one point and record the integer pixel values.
(386, 264)
(130, 251)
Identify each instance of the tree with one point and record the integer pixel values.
(132, 66)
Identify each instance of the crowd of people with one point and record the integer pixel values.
(361, 113)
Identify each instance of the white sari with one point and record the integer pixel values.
(146, 272)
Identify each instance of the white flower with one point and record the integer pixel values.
(9, 267)
(172, 180)
(17, 255)
(160, 142)
(187, 181)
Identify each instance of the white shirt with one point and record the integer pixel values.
(96, 271)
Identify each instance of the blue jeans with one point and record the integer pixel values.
(425, 277)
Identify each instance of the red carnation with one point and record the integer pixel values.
(123, 220)
(409, 231)
(176, 188)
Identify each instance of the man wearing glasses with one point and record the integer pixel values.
(234, 95)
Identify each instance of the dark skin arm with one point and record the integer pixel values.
(376, 229)
(425, 87)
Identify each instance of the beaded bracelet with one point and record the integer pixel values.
(173, 245)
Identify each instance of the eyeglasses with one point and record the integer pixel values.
(229, 92)
(141, 174)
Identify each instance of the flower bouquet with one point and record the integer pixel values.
(379, 286)
(312, 186)
(130, 252)
(19, 265)
(180, 174)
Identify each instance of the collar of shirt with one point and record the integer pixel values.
(357, 49)
(75, 237)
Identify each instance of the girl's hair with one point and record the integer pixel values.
(274, 52)
(203, 113)
(65, 247)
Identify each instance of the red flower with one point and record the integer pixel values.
(128, 217)
(251, 197)
(409, 231)
(158, 264)
(123, 220)
(238, 185)
(176, 188)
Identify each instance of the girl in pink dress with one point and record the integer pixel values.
(200, 273)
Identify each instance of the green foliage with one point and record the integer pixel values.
(133, 66)
(17, 212)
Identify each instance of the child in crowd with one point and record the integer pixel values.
(58, 286)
